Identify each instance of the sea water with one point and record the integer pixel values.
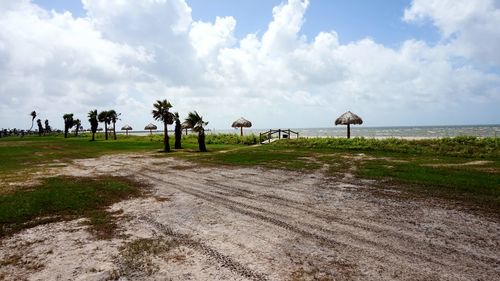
(385, 132)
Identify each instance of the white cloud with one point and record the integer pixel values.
(207, 37)
(471, 26)
(126, 54)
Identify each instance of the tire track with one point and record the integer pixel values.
(271, 218)
(308, 209)
(325, 241)
(223, 260)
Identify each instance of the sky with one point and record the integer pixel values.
(280, 64)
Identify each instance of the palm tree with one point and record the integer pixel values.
(113, 117)
(47, 126)
(77, 123)
(195, 121)
(40, 127)
(93, 122)
(178, 131)
(161, 112)
(33, 116)
(68, 123)
(104, 117)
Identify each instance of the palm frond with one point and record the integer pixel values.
(195, 121)
(161, 111)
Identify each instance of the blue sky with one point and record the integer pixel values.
(399, 62)
(352, 20)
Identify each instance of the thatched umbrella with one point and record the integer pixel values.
(240, 123)
(126, 128)
(186, 126)
(348, 118)
(150, 127)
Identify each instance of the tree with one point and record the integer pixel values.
(68, 123)
(113, 117)
(195, 121)
(40, 127)
(93, 122)
(33, 116)
(178, 131)
(161, 112)
(77, 123)
(47, 126)
(104, 117)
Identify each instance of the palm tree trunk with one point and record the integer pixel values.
(93, 136)
(32, 120)
(201, 142)
(76, 131)
(165, 139)
(178, 136)
(106, 130)
(65, 131)
(114, 131)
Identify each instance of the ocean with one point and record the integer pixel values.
(384, 132)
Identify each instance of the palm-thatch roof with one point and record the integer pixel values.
(242, 122)
(348, 118)
(150, 126)
(126, 127)
(186, 125)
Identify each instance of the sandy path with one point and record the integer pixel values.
(258, 224)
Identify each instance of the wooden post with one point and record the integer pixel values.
(348, 131)
(241, 129)
(279, 134)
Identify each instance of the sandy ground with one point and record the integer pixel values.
(221, 223)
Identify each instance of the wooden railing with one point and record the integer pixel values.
(282, 133)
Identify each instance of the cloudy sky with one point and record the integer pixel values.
(295, 63)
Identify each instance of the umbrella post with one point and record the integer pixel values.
(241, 130)
(348, 131)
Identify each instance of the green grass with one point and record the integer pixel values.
(458, 146)
(477, 185)
(62, 198)
(18, 153)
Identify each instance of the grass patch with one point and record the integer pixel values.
(459, 182)
(136, 257)
(268, 156)
(457, 146)
(66, 198)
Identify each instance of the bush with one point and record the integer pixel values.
(224, 139)
(457, 146)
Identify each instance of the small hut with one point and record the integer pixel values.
(240, 123)
(348, 118)
(150, 127)
(185, 126)
(126, 128)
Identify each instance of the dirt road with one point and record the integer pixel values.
(225, 223)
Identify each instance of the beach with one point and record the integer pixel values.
(248, 223)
